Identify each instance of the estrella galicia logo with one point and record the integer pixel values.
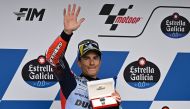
(38, 73)
(175, 26)
(141, 74)
(120, 18)
(29, 14)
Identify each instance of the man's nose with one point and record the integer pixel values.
(91, 62)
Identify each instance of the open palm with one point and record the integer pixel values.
(70, 19)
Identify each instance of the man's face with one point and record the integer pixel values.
(90, 64)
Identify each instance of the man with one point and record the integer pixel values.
(74, 94)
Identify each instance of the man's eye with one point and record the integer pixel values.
(96, 58)
(85, 58)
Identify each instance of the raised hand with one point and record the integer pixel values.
(70, 19)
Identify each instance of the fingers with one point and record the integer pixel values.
(81, 20)
(78, 11)
(64, 12)
(116, 96)
(69, 10)
(72, 11)
(115, 93)
(71, 17)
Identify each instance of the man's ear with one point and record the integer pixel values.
(79, 63)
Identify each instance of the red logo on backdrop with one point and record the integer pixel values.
(120, 18)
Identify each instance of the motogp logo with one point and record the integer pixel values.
(120, 18)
